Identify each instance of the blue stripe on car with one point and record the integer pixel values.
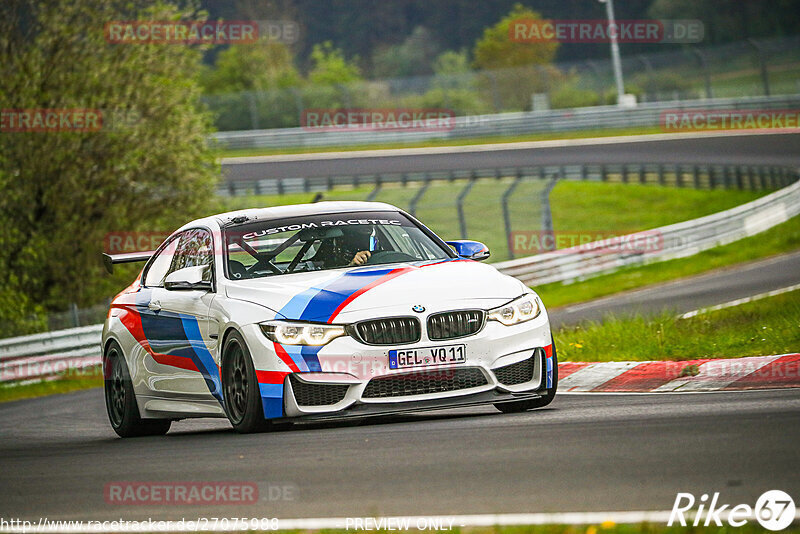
(318, 303)
(272, 400)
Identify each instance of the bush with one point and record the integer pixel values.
(572, 96)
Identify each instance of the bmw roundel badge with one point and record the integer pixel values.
(419, 308)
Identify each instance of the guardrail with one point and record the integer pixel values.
(675, 241)
(50, 354)
(65, 351)
(559, 120)
(752, 177)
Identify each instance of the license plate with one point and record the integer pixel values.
(402, 358)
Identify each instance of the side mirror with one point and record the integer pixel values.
(471, 250)
(188, 278)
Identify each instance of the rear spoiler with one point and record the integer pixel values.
(126, 257)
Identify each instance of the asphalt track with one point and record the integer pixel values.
(584, 453)
(750, 149)
(688, 294)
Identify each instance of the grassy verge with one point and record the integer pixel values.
(763, 327)
(623, 207)
(582, 134)
(10, 392)
(782, 238)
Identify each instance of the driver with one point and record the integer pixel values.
(352, 248)
(358, 242)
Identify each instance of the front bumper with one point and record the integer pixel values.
(312, 396)
(349, 378)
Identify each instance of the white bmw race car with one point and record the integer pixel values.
(318, 311)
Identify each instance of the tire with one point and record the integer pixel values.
(123, 412)
(240, 387)
(541, 402)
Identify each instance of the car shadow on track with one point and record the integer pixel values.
(370, 421)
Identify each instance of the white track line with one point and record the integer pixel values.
(740, 301)
(491, 147)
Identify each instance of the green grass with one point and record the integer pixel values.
(10, 391)
(622, 207)
(576, 206)
(581, 134)
(748, 82)
(764, 327)
(779, 239)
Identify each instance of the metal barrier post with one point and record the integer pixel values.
(412, 206)
(375, 191)
(73, 308)
(507, 214)
(462, 220)
(547, 215)
(762, 60)
(701, 56)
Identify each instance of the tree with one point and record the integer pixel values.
(261, 66)
(513, 71)
(496, 50)
(451, 63)
(148, 167)
(413, 57)
(331, 67)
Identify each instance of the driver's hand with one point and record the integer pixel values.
(361, 257)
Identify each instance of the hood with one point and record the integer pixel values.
(351, 294)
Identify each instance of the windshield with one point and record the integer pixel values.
(321, 242)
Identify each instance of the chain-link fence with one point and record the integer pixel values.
(748, 68)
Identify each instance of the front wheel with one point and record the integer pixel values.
(123, 413)
(541, 402)
(240, 387)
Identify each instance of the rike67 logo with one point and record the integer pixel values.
(774, 510)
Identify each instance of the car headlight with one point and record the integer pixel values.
(291, 333)
(517, 311)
